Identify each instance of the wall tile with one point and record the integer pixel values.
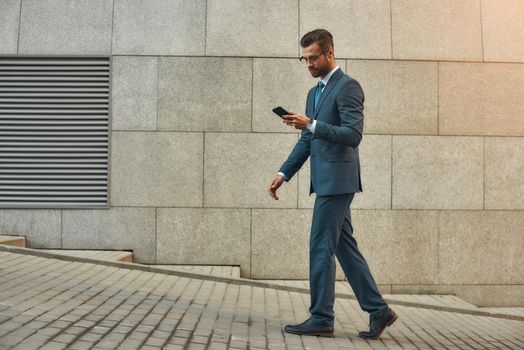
(360, 28)
(156, 169)
(400, 246)
(204, 94)
(41, 227)
(503, 30)
(58, 27)
(116, 228)
(134, 93)
(9, 21)
(164, 27)
(204, 236)
(481, 247)
(481, 99)
(436, 30)
(504, 183)
(401, 97)
(240, 166)
(437, 172)
(252, 28)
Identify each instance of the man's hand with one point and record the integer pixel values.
(298, 121)
(274, 185)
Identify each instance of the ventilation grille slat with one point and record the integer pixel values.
(54, 129)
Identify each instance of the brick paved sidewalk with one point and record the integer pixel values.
(55, 304)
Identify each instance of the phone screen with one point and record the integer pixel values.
(280, 111)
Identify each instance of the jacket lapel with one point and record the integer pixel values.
(310, 102)
(330, 85)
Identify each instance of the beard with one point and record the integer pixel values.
(317, 72)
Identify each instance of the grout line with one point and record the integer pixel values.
(438, 99)
(250, 243)
(293, 133)
(112, 26)
(481, 32)
(252, 88)
(156, 236)
(298, 29)
(483, 173)
(205, 29)
(283, 208)
(438, 246)
(391, 176)
(19, 25)
(391, 27)
(62, 228)
(293, 58)
(203, 167)
(157, 90)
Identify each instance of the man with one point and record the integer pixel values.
(331, 132)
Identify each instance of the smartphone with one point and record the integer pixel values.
(281, 112)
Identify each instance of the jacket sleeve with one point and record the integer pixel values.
(350, 103)
(298, 156)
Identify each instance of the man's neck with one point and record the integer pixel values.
(333, 66)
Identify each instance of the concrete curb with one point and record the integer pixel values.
(243, 281)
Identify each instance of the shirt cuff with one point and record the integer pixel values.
(312, 127)
(283, 175)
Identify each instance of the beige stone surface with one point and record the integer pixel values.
(481, 99)
(204, 94)
(400, 246)
(436, 30)
(252, 28)
(481, 295)
(115, 228)
(481, 247)
(240, 166)
(401, 97)
(204, 236)
(162, 27)
(134, 93)
(360, 28)
(504, 180)
(437, 172)
(280, 244)
(279, 82)
(503, 30)
(156, 169)
(375, 164)
(9, 21)
(40, 227)
(60, 27)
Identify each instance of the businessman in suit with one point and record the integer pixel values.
(331, 132)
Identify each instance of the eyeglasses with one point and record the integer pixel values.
(312, 59)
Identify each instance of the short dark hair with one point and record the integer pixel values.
(320, 36)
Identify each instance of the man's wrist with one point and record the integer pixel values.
(311, 125)
(283, 175)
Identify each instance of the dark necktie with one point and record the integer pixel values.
(318, 93)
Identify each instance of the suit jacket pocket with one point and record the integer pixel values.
(339, 157)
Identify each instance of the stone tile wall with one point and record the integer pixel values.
(194, 143)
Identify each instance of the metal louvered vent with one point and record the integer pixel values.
(54, 115)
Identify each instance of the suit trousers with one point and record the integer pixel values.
(332, 234)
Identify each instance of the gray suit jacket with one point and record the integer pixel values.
(335, 165)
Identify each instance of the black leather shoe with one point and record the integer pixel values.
(309, 328)
(378, 323)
